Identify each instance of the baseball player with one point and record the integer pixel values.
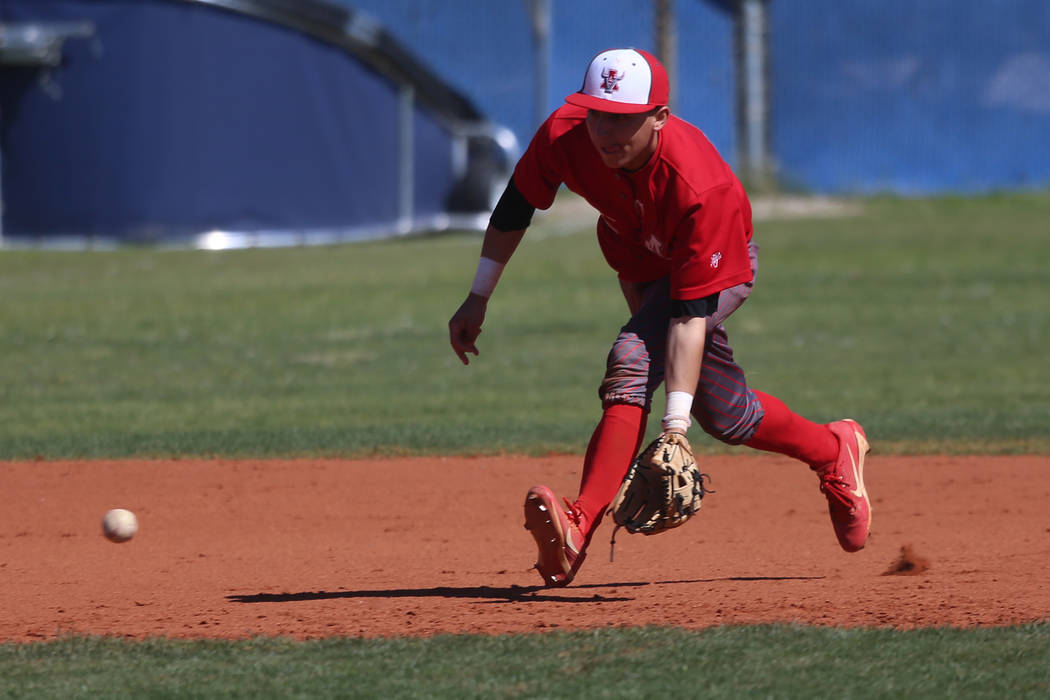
(675, 225)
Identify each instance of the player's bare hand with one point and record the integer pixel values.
(465, 326)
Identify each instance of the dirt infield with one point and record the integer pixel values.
(319, 548)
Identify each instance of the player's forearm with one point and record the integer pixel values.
(500, 245)
(685, 351)
(496, 250)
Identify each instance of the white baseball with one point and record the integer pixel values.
(119, 525)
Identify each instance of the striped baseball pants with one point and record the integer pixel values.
(724, 406)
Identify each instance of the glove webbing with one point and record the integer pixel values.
(698, 490)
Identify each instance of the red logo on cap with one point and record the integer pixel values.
(610, 78)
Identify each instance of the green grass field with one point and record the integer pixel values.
(728, 662)
(927, 319)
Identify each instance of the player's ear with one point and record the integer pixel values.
(661, 115)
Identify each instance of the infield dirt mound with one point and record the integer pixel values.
(316, 548)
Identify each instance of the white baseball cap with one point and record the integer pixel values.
(624, 81)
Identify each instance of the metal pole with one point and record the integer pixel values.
(667, 42)
(406, 158)
(754, 88)
(540, 12)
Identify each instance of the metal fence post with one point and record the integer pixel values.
(753, 92)
(406, 157)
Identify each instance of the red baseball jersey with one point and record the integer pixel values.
(685, 214)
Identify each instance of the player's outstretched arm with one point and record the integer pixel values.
(465, 325)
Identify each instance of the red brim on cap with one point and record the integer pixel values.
(600, 105)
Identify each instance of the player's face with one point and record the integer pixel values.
(625, 140)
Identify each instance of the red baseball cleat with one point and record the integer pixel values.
(562, 547)
(842, 482)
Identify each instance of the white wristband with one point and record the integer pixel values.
(486, 277)
(679, 403)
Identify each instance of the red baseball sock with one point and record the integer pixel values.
(785, 432)
(613, 446)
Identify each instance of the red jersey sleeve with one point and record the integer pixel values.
(537, 173)
(710, 252)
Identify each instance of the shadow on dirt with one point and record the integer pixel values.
(511, 594)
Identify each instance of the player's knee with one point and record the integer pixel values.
(732, 424)
(626, 388)
(627, 374)
(730, 432)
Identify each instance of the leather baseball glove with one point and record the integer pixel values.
(662, 489)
